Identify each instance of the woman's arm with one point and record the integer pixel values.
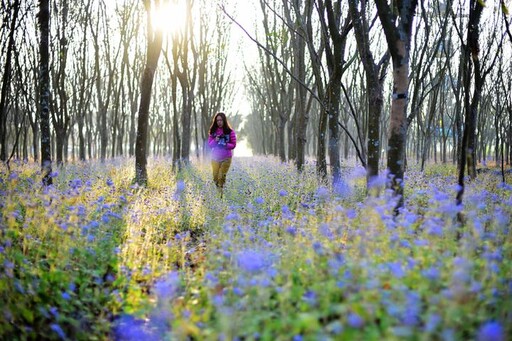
(232, 140)
(211, 141)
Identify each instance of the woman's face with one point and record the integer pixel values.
(220, 121)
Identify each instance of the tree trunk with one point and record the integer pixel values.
(398, 37)
(467, 157)
(44, 85)
(154, 48)
(6, 82)
(374, 84)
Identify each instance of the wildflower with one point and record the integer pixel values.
(396, 269)
(431, 273)
(251, 261)
(325, 230)
(292, 230)
(317, 246)
(432, 323)
(491, 331)
(355, 321)
(351, 214)
(259, 200)
(310, 297)
(322, 193)
(283, 193)
(167, 287)
(57, 329)
(129, 328)
(237, 291)
(421, 242)
(75, 183)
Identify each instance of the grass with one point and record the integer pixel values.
(281, 257)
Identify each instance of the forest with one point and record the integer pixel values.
(376, 205)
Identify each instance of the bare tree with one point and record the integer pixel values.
(398, 37)
(154, 47)
(6, 79)
(44, 85)
(375, 76)
(472, 68)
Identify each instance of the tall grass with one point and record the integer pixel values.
(282, 256)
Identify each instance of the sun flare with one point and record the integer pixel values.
(170, 16)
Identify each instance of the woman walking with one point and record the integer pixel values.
(222, 141)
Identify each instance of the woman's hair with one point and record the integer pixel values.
(226, 127)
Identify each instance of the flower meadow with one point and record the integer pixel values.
(282, 256)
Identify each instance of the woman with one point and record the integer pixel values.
(222, 141)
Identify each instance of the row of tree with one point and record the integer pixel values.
(332, 80)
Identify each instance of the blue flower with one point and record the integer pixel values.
(431, 273)
(251, 261)
(351, 214)
(491, 331)
(355, 321)
(310, 298)
(292, 230)
(56, 328)
(131, 329)
(396, 269)
(167, 287)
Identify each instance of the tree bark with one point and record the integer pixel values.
(374, 85)
(6, 82)
(398, 38)
(44, 95)
(471, 58)
(154, 47)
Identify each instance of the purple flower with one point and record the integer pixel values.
(317, 246)
(310, 298)
(432, 323)
(355, 321)
(491, 331)
(292, 230)
(283, 193)
(129, 328)
(396, 269)
(431, 273)
(322, 193)
(351, 214)
(251, 261)
(167, 287)
(56, 328)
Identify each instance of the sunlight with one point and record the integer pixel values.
(170, 16)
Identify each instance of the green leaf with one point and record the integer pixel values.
(28, 315)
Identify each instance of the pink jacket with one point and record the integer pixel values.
(222, 149)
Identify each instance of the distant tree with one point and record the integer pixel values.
(60, 115)
(474, 73)
(13, 10)
(375, 76)
(154, 47)
(44, 85)
(302, 11)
